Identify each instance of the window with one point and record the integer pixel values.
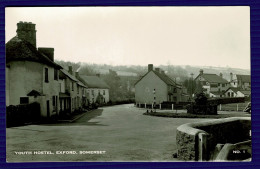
(213, 85)
(92, 92)
(72, 86)
(46, 75)
(24, 100)
(53, 101)
(223, 85)
(60, 86)
(104, 92)
(55, 74)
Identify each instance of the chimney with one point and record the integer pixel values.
(201, 71)
(162, 71)
(231, 76)
(98, 74)
(49, 52)
(77, 74)
(26, 31)
(157, 70)
(221, 75)
(150, 67)
(70, 70)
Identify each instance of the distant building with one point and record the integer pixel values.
(240, 81)
(31, 74)
(212, 84)
(97, 89)
(156, 86)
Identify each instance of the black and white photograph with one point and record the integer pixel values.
(128, 84)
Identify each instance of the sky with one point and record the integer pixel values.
(197, 36)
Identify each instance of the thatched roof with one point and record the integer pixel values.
(20, 50)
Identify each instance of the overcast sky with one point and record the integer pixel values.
(206, 36)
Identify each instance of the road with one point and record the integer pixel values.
(116, 133)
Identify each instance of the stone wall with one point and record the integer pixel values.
(220, 131)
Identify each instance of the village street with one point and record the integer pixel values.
(119, 133)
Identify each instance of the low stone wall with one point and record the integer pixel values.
(196, 141)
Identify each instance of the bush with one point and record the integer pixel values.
(23, 113)
(201, 99)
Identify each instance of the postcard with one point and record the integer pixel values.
(126, 84)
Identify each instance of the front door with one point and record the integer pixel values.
(48, 108)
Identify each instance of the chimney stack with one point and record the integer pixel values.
(201, 71)
(26, 31)
(157, 70)
(221, 75)
(77, 74)
(49, 52)
(231, 76)
(70, 70)
(150, 67)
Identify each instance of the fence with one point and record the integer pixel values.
(164, 105)
(232, 107)
(23, 113)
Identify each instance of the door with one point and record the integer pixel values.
(48, 108)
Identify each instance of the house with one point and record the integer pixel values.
(240, 81)
(97, 89)
(31, 73)
(212, 84)
(237, 92)
(72, 91)
(156, 87)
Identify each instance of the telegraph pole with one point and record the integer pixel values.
(191, 84)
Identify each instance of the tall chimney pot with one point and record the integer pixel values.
(150, 67)
(70, 70)
(26, 31)
(201, 71)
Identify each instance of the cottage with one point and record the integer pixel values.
(156, 87)
(212, 84)
(31, 74)
(237, 92)
(97, 89)
(240, 81)
(72, 91)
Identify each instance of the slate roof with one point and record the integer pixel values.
(94, 82)
(246, 92)
(212, 78)
(234, 89)
(244, 78)
(69, 75)
(166, 79)
(72, 77)
(216, 93)
(20, 50)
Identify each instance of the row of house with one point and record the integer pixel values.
(216, 86)
(33, 76)
(155, 87)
